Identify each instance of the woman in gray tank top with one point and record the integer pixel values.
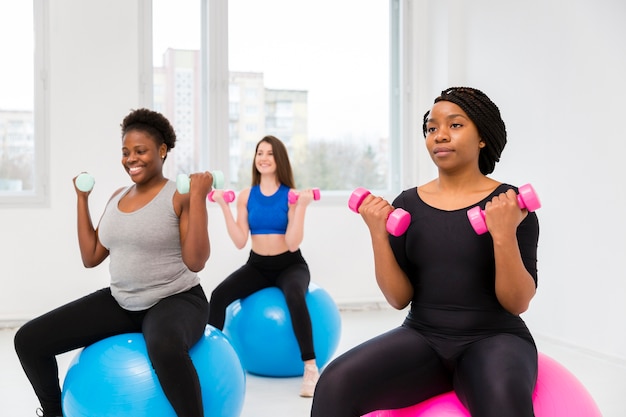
(157, 241)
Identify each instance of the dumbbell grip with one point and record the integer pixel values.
(229, 196)
(526, 199)
(183, 181)
(293, 195)
(397, 221)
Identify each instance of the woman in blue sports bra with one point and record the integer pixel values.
(276, 229)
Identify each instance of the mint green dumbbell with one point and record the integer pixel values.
(84, 182)
(182, 181)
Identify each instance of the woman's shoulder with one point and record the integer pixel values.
(406, 196)
(504, 187)
(119, 190)
(242, 196)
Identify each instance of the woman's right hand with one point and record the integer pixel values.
(218, 197)
(83, 187)
(375, 212)
(201, 182)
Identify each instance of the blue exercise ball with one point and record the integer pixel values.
(114, 377)
(259, 327)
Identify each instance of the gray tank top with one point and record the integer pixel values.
(144, 248)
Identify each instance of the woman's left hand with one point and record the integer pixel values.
(503, 214)
(304, 197)
(201, 182)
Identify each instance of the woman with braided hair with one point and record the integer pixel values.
(466, 291)
(157, 241)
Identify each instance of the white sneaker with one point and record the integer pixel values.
(309, 380)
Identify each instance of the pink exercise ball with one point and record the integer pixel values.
(558, 393)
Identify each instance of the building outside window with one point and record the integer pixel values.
(316, 75)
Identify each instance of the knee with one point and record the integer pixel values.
(334, 395)
(333, 382)
(19, 341)
(221, 297)
(24, 339)
(216, 297)
(295, 298)
(506, 389)
(503, 393)
(164, 351)
(294, 294)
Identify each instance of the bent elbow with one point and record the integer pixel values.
(196, 267)
(517, 308)
(196, 264)
(521, 309)
(398, 304)
(90, 262)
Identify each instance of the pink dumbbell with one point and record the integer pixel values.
(526, 199)
(398, 220)
(293, 196)
(229, 196)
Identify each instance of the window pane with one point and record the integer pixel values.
(177, 89)
(17, 127)
(315, 74)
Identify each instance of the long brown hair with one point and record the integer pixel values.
(281, 157)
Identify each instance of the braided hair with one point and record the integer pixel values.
(152, 123)
(485, 115)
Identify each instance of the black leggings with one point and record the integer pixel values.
(492, 377)
(287, 271)
(170, 329)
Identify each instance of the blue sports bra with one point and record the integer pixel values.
(267, 215)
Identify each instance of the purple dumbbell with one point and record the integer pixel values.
(526, 199)
(292, 197)
(229, 196)
(398, 220)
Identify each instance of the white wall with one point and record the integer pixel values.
(555, 68)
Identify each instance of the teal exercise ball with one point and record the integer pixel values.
(114, 377)
(259, 327)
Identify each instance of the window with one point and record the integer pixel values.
(177, 78)
(22, 116)
(315, 74)
(323, 67)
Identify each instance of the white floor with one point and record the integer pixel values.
(278, 397)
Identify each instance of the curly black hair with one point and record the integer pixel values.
(485, 115)
(152, 123)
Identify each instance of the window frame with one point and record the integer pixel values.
(215, 94)
(40, 195)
